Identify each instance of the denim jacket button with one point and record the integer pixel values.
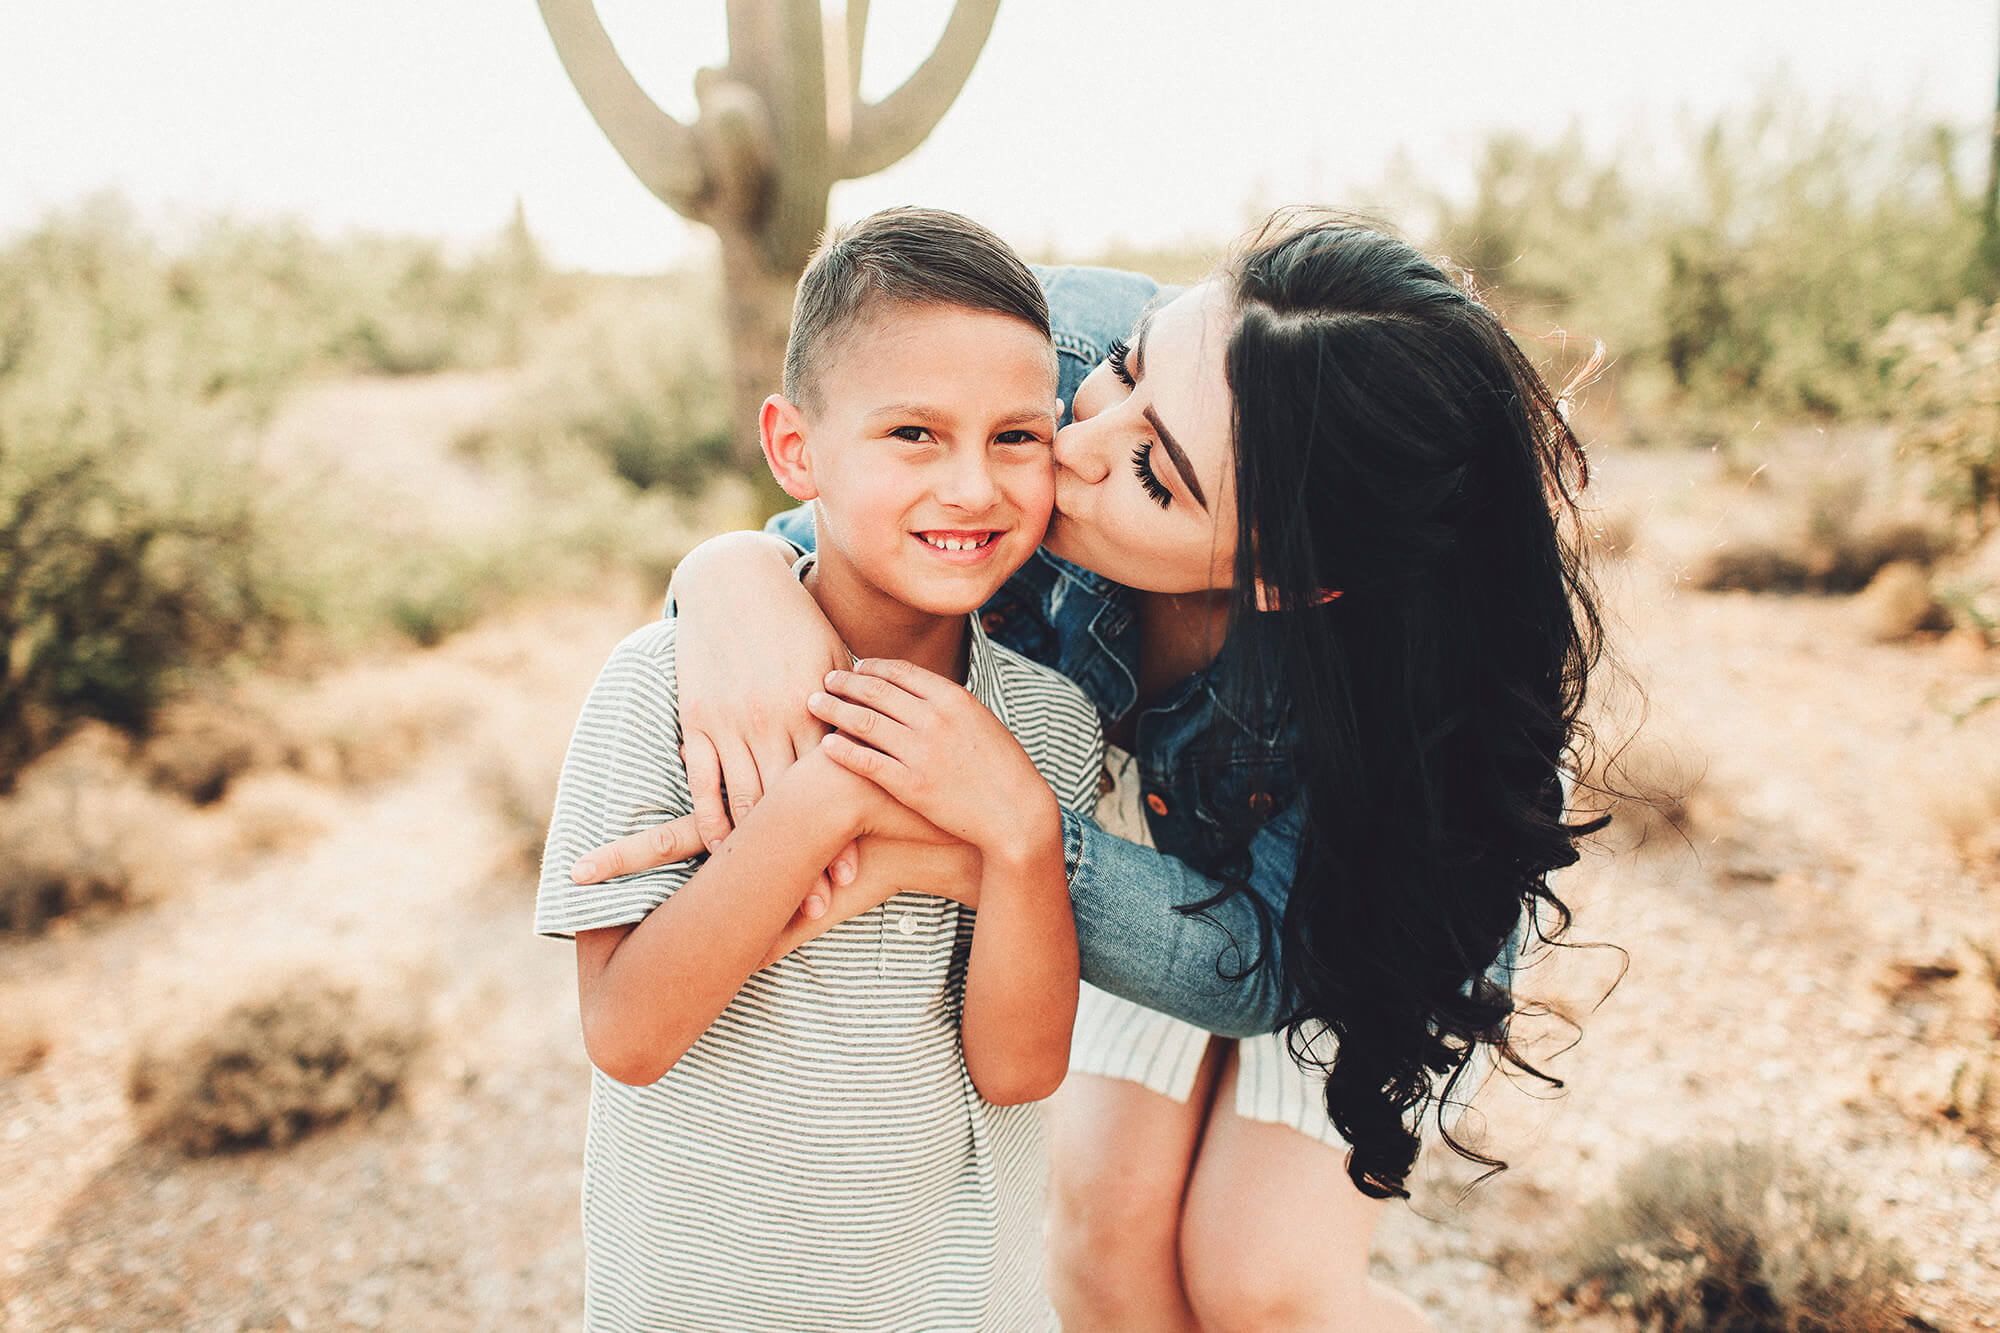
(993, 621)
(1260, 803)
(1155, 803)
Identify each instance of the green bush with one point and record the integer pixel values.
(1716, 1237)
(137, 542)
(1948, 371)
(1754, 276)
(639, 383)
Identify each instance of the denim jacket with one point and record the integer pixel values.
(1216, 969)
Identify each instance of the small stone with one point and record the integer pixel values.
(1965, 1160)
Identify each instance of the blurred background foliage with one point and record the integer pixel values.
(1778, 263)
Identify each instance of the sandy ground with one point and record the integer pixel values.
(1762, 998)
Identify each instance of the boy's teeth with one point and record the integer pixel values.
(956, 543)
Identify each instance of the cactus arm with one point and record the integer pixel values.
(885, 131)
(659, 149)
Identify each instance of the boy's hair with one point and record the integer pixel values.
(912, 256)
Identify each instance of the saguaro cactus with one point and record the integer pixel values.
(777, 126)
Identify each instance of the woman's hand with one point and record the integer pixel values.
(933, 747)
(743, 678)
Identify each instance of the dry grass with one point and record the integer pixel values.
(83, 832)
(1831, 559)
(276, 1066)
(199, 745)
(1654, 788)
(1898, 603)
(26, 1035)
(1965, 802)
(1717, 1237)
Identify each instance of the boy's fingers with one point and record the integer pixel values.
(818, 898)
(872, 764)
(661, 845)
(908, 675)
(704, 775)
(883, 696)
(878, 729)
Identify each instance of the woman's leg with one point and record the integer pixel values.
(1119, 1161)
(1274, 1236)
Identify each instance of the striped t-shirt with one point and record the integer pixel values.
(819, 1159)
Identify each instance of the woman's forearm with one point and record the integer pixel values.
(1215, 969)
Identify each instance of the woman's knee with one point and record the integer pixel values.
(1120, 1160)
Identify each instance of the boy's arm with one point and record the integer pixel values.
(648, 991)
(934, 747)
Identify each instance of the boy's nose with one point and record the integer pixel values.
(968, 483)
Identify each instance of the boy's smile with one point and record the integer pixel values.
(929, 460)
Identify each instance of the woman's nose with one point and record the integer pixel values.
(1078, 451)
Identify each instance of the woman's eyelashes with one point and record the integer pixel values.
(1114, 356)
(1149, 481)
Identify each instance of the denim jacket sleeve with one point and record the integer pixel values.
(1215, 969)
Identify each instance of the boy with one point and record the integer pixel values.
(825, 1143)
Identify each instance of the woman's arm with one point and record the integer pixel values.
(744, 677)
(1214, 969)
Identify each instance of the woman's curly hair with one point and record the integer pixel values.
(1395, 445)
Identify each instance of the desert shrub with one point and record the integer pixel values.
(25, 1040)
(637, 383)
(1717, 1237)
(1750, 270)
(1966, 804)
(82, 832)
(1898, 602)
(138, 546)
(272, 1068)
(1648, 786)
(1948, 411)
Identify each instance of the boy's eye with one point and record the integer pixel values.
(911, 434)
(1019, 437)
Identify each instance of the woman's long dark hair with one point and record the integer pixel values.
(1393, 444)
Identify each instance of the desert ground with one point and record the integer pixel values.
(1798, 954)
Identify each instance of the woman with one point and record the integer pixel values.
(1314, 560)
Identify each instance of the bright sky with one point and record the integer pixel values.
(1085, 121)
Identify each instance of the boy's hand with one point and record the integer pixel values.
(933, 747)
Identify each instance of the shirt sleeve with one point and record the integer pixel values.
(622, 774)
(1214, 969)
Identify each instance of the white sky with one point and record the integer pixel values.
(1086, 120)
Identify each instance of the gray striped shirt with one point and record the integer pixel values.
(819, 1159)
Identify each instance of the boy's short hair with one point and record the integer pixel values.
(913, 256)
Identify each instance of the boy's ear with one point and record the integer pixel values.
(783, 428)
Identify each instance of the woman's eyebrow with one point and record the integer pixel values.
(1181, 464)
(1174, 450)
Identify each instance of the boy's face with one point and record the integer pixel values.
(930, 453)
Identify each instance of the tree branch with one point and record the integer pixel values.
(659, 149)
(885, 131)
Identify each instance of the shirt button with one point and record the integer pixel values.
(1156, 803)
(906, 924)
